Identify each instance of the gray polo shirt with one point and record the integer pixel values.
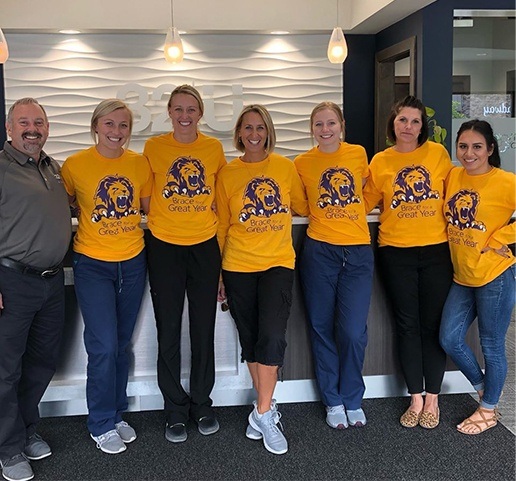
(35, 226)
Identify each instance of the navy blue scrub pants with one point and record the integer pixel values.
(109, 295)
(337, 283)
(31, 324)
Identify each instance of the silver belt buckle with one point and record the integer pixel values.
(50, 272)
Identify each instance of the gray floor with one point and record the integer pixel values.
(507, 404)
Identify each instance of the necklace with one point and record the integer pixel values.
(260, 171)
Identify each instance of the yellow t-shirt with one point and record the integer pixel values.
(184, 188)
(108, 193)
(254, 206)
(478, 209)
(333, 184)
(409, 188)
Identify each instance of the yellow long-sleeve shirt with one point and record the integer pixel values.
(184, 188)
(333, 184)
(254, 206)
(478, 209)
(108, 193)
(409, 187)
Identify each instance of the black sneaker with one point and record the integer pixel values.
(175, 433)
(208, 425)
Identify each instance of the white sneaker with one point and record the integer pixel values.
(336, 417)
(110, 442)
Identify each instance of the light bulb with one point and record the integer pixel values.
(337, 48)
(173, 49)
(4, 49)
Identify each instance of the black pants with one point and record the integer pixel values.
(417, 281)
(31, 324)
(260, 304)
(174, 270)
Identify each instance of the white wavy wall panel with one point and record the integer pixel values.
(71, 75)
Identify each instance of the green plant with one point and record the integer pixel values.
(456, 113)
(437, 133)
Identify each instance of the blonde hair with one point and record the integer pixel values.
(270, 143)
(328, 106)
(187, 90)
(105, 108)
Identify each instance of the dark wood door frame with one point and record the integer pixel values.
(385, 81)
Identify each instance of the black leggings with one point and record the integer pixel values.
(417, 281)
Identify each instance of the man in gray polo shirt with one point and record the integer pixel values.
(35, 232)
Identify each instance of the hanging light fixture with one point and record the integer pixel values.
(173, 45)
(4, 49)
(337, 48)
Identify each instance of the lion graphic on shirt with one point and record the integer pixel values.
(461, 210)
(262, 198)
(113, 199)
(186, 177)
(337, 187)
(412, 185)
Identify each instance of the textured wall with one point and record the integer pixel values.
(71, 75)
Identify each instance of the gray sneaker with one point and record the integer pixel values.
(127, 433)
(36, 448)
(252, 433)
(267, 424)
(336, 417)
(110, 442)
(16, 468)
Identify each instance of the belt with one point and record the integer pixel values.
(25, 269)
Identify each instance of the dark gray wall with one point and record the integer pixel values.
(358, 95)
(3, 136)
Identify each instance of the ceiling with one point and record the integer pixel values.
(207, 16)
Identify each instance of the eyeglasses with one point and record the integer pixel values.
(224, 307)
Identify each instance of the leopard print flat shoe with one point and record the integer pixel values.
(429, 420)
(410, 419)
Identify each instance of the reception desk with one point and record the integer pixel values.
(233, 386)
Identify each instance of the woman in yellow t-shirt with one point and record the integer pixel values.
(480, 201)
(184, 258)
(110, 185)
(256, 194)
(407, 181)
(336, 265)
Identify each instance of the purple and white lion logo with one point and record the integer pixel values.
(186, 177)
(412, 185)
(337, 187)
(262, 198)
(113, 198)
(461, 210)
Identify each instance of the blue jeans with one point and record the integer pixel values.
(109, 295)
(337, 283)
(493, 304)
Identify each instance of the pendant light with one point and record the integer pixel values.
(4, 49)
(173, 45)
(337, 48)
